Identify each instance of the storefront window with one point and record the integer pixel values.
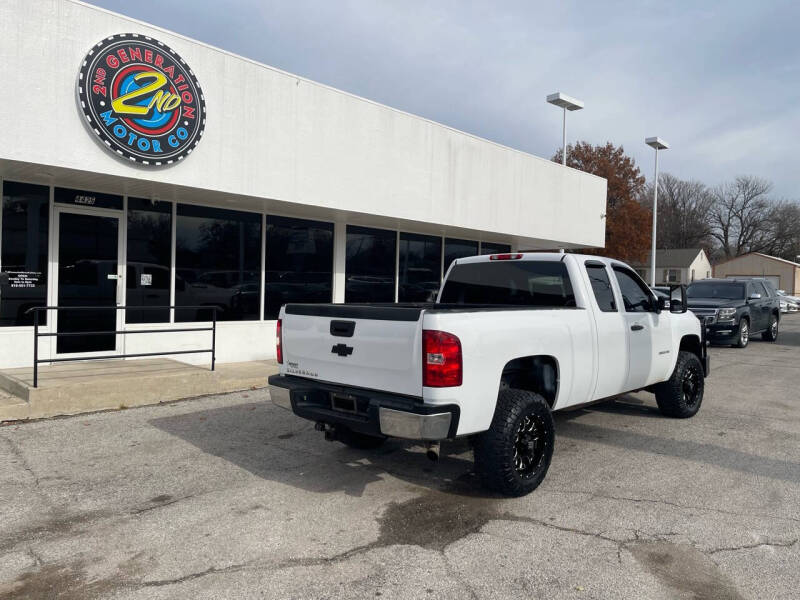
(149, 259)
(218, 263)
(370, 265)
(492, 248)
(454, 249)
(299, 263)
(24, 251)
(420, 267)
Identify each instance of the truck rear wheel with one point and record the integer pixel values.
(513, 456)
(681, 395)
(359, 441)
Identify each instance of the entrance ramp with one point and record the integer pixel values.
(81, 387)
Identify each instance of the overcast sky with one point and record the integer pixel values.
(720, 81)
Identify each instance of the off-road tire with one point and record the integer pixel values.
(744, 334)
(682, 394)
(521, 419)
(359, 441)
(771, 334)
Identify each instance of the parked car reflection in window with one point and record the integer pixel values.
(299, 263)
(218, 263)
(370, 265)
(420, 267)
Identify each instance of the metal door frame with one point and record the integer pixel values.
(58, 209)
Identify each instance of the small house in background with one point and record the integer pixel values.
(676, 265)
(784, 274)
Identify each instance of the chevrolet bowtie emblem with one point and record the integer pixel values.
(342, 350)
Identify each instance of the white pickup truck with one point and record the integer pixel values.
(511, 338)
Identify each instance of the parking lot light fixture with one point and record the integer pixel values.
(566, 103)
(657, 144)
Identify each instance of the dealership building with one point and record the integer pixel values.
(142, 169)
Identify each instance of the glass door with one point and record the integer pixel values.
(88, 276)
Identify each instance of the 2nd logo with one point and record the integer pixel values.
(162, 100)
(141, 100)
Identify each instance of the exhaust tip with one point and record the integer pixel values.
(432, 451)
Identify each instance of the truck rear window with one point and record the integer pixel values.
(524, 283)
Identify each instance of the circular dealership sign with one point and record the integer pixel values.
(141, 99)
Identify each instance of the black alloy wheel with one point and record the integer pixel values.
(529, 446)
(691, 385)
(512, 457)
(682, 394)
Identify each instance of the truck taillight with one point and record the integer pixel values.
(515, 256)
(441, 359)
(279, 342)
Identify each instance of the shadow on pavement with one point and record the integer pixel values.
(788, 338)
(700, 452)
(279, 447)
(282, 448)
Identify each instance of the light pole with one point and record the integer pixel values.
(566, 103)
(658, 144)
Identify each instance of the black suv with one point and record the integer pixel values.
(735, 309)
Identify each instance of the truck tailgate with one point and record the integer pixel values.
(373, 347)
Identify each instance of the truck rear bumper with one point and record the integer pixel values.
(365, 411)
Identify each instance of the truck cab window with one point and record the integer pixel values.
(601, 286)
(634, 295)
(521, 283)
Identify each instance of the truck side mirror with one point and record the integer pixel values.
(677, 299)
(755, 296)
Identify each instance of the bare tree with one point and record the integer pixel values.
(684, 212)
(741, 216)
(732, 219)
(783, 235)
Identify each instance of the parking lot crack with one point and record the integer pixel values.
(786, 544)
(196, 575)
(37, 560)
(327, 560)
(674, 505)
(155, 506)
(20, 456)
(451, 570)
(596, 535)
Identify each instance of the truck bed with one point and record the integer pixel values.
(377, 345)
(394, 311)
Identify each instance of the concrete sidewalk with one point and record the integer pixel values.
(80, 387)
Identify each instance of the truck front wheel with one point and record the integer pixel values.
(513, 456)
(681, 395)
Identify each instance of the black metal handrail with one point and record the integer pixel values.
(36, 335)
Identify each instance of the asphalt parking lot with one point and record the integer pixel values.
(230, 497)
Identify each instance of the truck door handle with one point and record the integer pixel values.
(637, 327)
